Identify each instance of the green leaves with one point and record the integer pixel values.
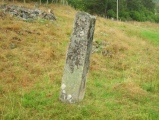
(139, 10)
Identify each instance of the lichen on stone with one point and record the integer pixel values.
(75, 56)
(63, 86)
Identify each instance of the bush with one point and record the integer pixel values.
(135, 15)
(111, 13)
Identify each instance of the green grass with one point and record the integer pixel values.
(152, 36)
(124, 86)
(148, 33)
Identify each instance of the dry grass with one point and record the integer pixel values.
(31, 67)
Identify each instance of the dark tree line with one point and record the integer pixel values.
(139, 10)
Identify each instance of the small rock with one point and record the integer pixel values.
(12, 46)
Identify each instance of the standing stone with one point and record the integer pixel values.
(77, 60)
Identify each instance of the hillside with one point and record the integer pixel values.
(123, 80)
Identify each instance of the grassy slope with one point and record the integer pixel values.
(123, 86)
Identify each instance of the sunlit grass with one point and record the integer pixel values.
(152, 36)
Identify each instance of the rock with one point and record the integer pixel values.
(12, 46)
(77, 60)
(26, 13)
(49, 17)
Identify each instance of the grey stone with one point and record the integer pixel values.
(26, 13)
(78, 59)
(12, 46)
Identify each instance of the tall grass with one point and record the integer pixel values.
(120, 86)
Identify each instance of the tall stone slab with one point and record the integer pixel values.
(78, 59)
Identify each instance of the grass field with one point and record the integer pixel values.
(123, 85)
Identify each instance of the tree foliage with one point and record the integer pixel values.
(139, 10)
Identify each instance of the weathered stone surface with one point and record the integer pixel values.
(26, 13)
(78, 59)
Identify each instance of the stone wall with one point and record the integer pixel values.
(26, 13)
